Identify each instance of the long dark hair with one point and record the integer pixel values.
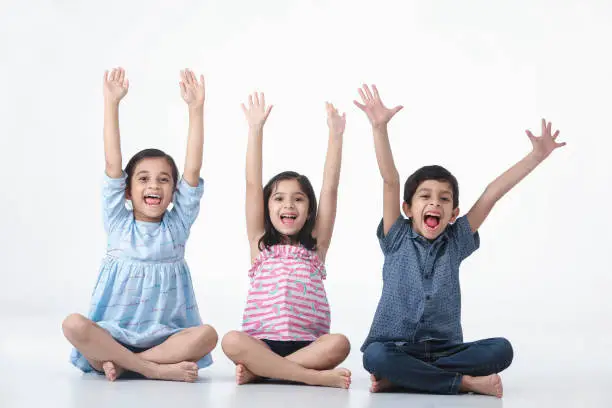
(304, 237)
(145, 154)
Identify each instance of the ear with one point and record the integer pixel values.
(406, 208)
(128, 195)
(455, 215)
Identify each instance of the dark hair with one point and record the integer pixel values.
(271, 236)
(437, 173)
(145, 154)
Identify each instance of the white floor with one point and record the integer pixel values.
(34, 372)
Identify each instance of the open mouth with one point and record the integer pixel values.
(288, 219)
(432, 221)
(152, 199)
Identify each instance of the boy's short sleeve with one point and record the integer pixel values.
(462, 237)
(397, 233)
(186, 204)
(113, 201)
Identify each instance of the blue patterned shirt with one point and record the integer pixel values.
(421, 298)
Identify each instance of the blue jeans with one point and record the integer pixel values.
(433, 366)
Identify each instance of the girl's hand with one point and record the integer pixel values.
(192, 90)
(378, 114)
(256, 112)
(115, 85)
(544, 145)
(335, 122)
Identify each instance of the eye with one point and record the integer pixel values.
(445, 199)
(299, 199)
(277, 198)
(425, 196)
(143, 178)
(164, 179)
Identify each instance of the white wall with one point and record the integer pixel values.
(472, 76)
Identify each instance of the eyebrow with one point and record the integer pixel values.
(282, 193)
(428, 190)
(147, 172)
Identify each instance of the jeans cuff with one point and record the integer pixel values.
(456, 384)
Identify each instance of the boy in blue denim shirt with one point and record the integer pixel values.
(416, 341)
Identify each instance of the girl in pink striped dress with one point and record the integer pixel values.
(287, 318)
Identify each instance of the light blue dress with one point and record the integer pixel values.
(144, 292)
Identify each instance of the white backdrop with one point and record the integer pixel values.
(472, 76)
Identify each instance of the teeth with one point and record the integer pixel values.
(152, 196)
(289, 216)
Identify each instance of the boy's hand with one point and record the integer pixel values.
(378, 114)
(335, 122)
(192, 91)
(545, 144)
(115, 85)
(256, 113)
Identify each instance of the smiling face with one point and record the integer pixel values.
(431, 208)
(151, 189)
(288, 207)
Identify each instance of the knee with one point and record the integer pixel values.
(373, 357)
(340, 347)
(503, 351)
(232, 343)
(208, 336)
(76, 327)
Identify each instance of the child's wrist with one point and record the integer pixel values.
(196, 109)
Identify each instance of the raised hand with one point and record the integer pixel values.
(192, 90)
(335, 121)
(378, 113)
(115, 85)
(256, 112)
(545, 144)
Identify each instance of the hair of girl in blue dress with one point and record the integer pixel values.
(304, 237)
(145, 154)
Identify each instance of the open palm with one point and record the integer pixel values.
(545, 144)
(335, 121)
(256, 112)
(378, 113)
(115, 85)
(192, 90)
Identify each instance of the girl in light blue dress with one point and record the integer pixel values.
(144, 316)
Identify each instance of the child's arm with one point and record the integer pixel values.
(256, 114)
(379, 116)
(326, 214)
(115, 88)
(543, 146)
(193, 92)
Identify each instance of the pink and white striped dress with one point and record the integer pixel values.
(287, 300)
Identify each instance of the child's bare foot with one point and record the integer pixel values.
(184, 371)
(243, 375)
(112, 371)
(488, 385)
(338, 377)
(380, 385)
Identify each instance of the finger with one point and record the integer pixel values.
(360, 106)
(549, 129)
(376, 94)
(268, 111)
(397, 109)
(250, 101)
(256, 99)
(530, 135)
(543, 126)
(368, 92)
(363, 97)
(244, 108)
(262, 99)
(105, 76)
(183, 78)
(183, 87)
(111, 77)
(560, 144)
(126, 84)
(121, 75)
(554, 137)
(202, 80)
(193, 77)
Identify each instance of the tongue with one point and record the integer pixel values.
(431, 222)
(152, 201)
(288, 221)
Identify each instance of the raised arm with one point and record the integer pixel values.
(379, 117)
(326, 214)
(193, 92)
(256, 113)
(115, 88)
(543, 146)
